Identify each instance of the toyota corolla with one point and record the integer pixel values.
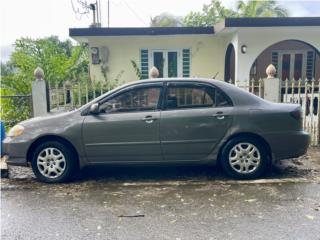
(162, 121)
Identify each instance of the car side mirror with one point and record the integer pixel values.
(94, 108)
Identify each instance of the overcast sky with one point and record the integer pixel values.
(40, 18)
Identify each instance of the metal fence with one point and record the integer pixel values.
(304, 92)
(68, 95)
(15, 108)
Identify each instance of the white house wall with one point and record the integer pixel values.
(258, 39)
(207, 54)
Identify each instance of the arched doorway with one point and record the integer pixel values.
(229, 64)
(293, 59)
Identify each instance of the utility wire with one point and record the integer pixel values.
(134, 12)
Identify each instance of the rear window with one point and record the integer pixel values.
(222, 100)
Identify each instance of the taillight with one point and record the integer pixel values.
(296, 114)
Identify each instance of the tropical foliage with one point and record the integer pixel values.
(165, 20)
(210, 15)
(254, 8)
(60, 61)
(215, 12)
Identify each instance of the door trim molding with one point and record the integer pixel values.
(121, 143)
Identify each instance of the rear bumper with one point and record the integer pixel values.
(16, 150)
(288, 145)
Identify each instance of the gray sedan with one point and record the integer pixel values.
(167, 121)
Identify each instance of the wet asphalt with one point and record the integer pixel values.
(163, 203)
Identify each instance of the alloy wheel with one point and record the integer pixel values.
(244, 158)
(51, 162)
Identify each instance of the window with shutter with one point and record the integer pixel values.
(310, 65)
(186, 62)
(144, 63)
(274, 60)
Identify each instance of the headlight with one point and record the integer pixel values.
(16, 131)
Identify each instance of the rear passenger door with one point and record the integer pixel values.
(193, 120)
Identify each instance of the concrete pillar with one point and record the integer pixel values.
(40, 94)
(272, 86)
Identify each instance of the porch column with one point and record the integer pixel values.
(243, 65)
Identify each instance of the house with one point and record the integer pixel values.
(235, 50)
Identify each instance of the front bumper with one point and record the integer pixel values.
(16, 149)
(288, 145)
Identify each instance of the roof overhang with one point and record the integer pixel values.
(148, 31)
(233, 23)
(224, 27)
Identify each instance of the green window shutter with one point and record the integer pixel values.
(144, 60)
(186, 62)
(274, 61)
(310, 65)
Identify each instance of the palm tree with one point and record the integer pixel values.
(254, 8)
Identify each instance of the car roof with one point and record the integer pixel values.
(187, 79)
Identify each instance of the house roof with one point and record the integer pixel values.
(77, 32)
(268, 22)
(227, 23)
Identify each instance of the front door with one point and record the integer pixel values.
(196, 118)
(127, 127)
(292, 65)
(168, 63)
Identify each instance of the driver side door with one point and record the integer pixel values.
(127, 126)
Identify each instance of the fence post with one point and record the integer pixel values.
(64, 95)
(272, 88)
(79, 94)
(260, 87)
(305, 105)
(87, 93)
(299, 91)
(286, 90)
(40, 94)
(57, 94)
(293, 84)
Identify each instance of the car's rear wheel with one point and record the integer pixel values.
(53, 162)
(244, 158)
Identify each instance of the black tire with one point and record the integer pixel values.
(228, 149)
(69, 164)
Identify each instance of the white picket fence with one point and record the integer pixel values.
(68, 95)
(304, 92)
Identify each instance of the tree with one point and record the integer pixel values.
(60, 61)
(254, 8)
(215, 12)
(210, 15)
(165, 20)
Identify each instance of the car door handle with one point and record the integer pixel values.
(149, 119)
(219, 115)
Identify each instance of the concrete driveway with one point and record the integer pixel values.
(165, 203)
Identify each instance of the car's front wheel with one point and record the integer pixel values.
(53, 162)
(244, 158)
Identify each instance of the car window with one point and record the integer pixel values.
(138, 99)
(222, 100)
(190, 97)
